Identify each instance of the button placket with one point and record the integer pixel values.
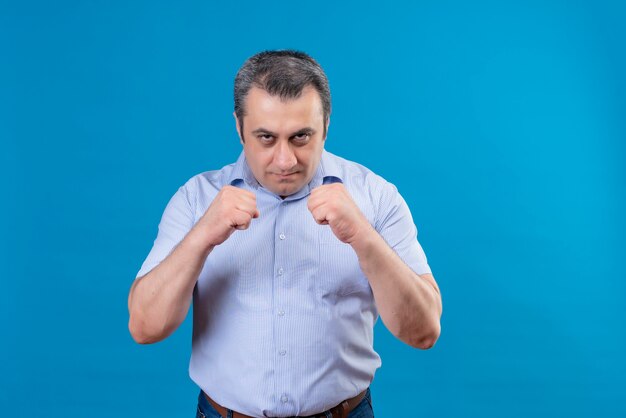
(280, 281)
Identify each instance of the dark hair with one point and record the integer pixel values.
(283, 73)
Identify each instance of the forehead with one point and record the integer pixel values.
(262, 107)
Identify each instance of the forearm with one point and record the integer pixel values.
(159, 301)
(409, 305)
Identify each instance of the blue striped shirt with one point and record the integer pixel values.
(283, 316)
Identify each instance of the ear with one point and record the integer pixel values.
(237, 127)
(327, 125)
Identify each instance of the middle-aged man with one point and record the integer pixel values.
(289, 255)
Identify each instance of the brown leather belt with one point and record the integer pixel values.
(340, 411)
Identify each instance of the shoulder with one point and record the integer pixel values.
(209, 180)
(357, 176)
(201, 189)
(370, 190)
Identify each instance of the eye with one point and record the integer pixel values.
(302, 138)
(265, 138)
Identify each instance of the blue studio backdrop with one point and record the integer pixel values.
(501, 123)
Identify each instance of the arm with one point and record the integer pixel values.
(159, 301)
(409, 304)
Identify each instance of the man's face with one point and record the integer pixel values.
(283, 140)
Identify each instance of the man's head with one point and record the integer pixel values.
(282, 112)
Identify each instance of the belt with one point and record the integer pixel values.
(340, 411)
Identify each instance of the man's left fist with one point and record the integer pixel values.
(331, 204)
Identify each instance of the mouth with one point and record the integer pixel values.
(285, 176)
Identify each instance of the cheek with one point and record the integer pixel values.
(311, 158)
(258, 158)
(306, 156)
(263, 165)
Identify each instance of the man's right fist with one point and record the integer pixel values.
(232, 208)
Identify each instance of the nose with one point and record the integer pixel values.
(284, 157)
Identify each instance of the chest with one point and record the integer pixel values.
(283, 254)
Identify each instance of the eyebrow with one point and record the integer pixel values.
(264, 131)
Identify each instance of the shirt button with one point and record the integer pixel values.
(281, 313)
(282, 352)
(280, 272)
(283, 399)
(281, 236)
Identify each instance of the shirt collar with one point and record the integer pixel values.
(327, 172)
(241, 173)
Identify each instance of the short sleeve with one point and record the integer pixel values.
(176, 222)
(395, 224)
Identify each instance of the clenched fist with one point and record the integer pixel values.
(232, 209)
(331, 204)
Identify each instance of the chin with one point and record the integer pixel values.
(287, 192)
(285, 187)
(281, 191)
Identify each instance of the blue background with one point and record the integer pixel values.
(503, 125)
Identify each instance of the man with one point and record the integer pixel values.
(289, 254)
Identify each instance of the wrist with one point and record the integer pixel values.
(199, 239)
(365, 237)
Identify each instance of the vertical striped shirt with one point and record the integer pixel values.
(283, 316)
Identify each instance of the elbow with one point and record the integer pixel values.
(139, 338)
(425, 343)
(140, 333)
(136, 326)
(136, 332)
(426, 339)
